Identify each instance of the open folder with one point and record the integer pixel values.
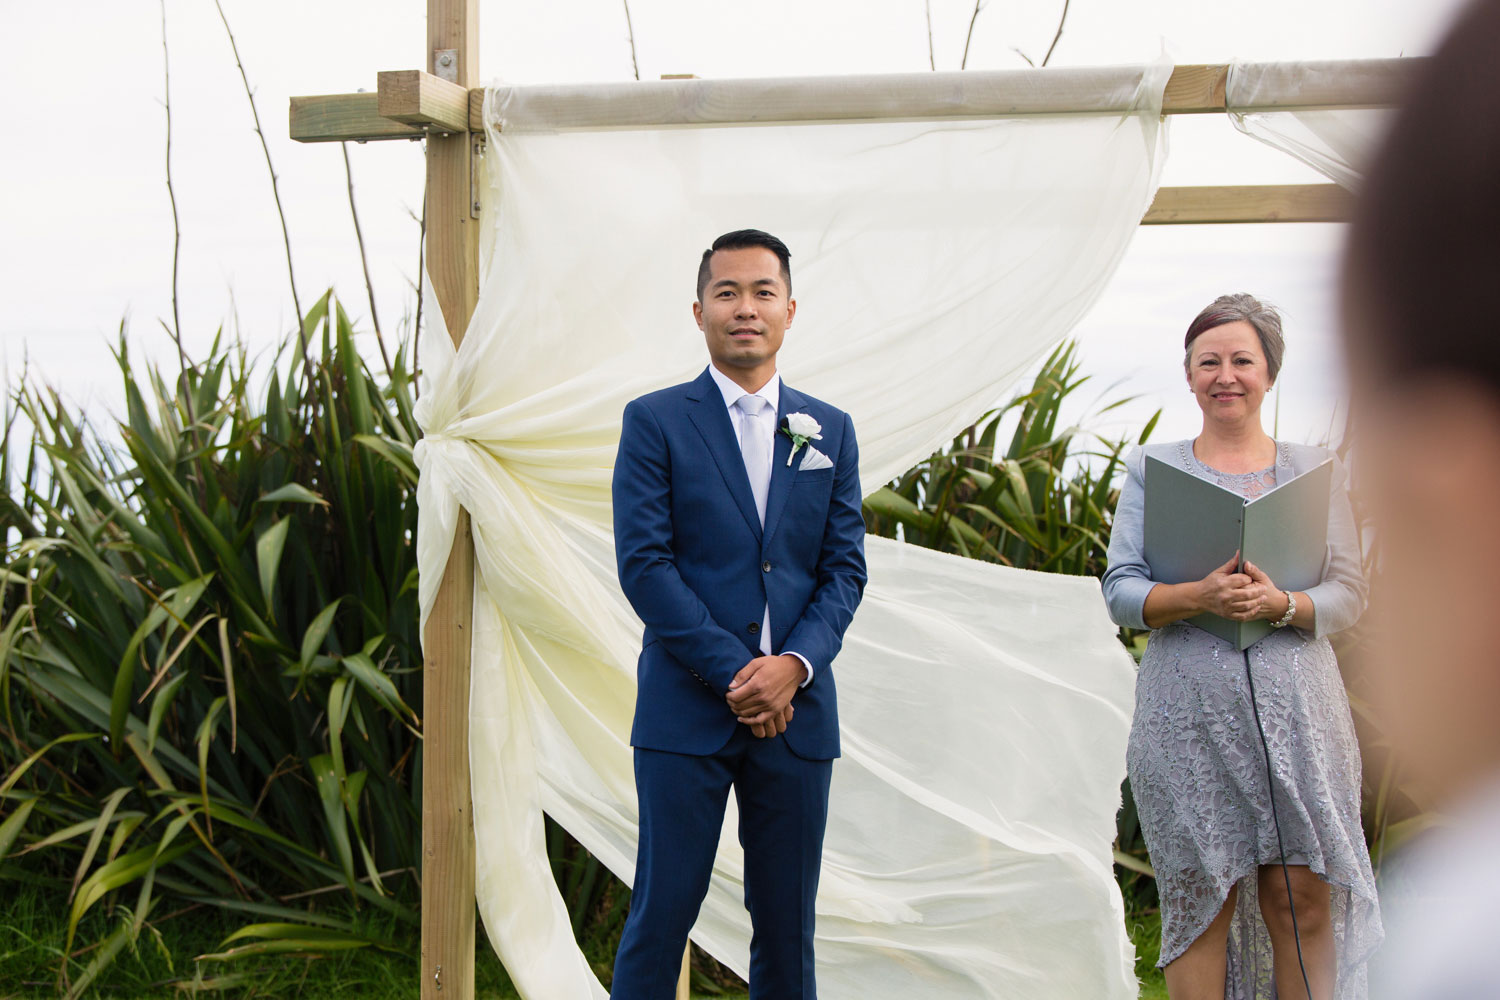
(1194, 526)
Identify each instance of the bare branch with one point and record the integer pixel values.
(931, 59)
(1060, 22)
(175, 330)
(628, 27)
(364, 262)
(978, 6)
(171, 195)
(1023, 56)
(275, 192)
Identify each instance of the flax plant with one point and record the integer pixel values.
(1044, 503)
(209, 652)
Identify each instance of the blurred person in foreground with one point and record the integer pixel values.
(1197, 767)
(1423, 346)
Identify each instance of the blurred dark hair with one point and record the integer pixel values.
(743, 239)
(1235, 308)
(1424, 249)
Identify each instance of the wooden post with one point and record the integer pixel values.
(684, 979)
(448, 905)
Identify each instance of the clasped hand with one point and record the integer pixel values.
(1242, 595)
(760, 695)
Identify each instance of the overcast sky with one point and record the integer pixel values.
(88, 227)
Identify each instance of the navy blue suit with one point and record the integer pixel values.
(699, 569)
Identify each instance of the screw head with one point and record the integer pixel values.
(445, 60)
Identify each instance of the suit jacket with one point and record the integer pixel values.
(699, 569)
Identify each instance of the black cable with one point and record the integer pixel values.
(1281, 848)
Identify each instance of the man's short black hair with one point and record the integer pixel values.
(743, 239)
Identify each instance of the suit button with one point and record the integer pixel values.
(765, 567)
(753, 628)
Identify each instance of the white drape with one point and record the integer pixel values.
(1335, 142)
(984, 710)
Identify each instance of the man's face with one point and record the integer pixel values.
(745, 309)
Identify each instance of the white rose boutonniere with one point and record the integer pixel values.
(801, 428)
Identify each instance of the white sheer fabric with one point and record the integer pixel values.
(985, 711)
(1262, 99)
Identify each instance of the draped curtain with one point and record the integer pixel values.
(1335, 142)
(985, 710)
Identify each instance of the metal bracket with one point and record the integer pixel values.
(445, 64)
(476, 150)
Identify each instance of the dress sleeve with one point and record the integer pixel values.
(1339, 598)
(1127, 581)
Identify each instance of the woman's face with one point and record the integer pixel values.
(1227, 373)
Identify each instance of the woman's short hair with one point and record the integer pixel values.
(1238, 308)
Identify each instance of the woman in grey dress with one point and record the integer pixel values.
(1197, 768)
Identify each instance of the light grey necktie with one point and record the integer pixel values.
(753, 449)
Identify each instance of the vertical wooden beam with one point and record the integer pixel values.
(685, 977)
(448, 905)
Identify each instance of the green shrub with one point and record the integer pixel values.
(210, 652)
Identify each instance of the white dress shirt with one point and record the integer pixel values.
(766, 427)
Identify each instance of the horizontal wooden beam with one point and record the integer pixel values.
(1195, 90)
(409, 101)
(345, 118)
(1249, 203)
(413, 97)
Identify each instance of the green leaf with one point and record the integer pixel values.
(399, 455)
(268, 549)
(107, 951)
(11, 828)
(25, 765)
(317, 631)
(379, 685)
(106, 815)
(331, 792)
(171, 607)
(340, 696)
(205, 736)
(119, 872)
(292, 493)
(1133, 863)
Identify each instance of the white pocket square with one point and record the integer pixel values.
(813, 459)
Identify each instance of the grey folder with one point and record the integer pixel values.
(1194, 526)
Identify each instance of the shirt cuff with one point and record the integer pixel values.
(808, 679)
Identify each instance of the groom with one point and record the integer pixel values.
(740, 544)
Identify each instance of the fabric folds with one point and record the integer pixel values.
(1263, 102)
(985, 710)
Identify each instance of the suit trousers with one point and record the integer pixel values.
(783, 807)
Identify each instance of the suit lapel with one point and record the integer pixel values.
(782, 474)
(711, 417)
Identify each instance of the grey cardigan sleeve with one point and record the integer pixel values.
(1339, 598)
(1127, 581)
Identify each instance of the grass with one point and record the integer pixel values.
(1145, 933)
(33, 929)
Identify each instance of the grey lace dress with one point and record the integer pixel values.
(1196, 766)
